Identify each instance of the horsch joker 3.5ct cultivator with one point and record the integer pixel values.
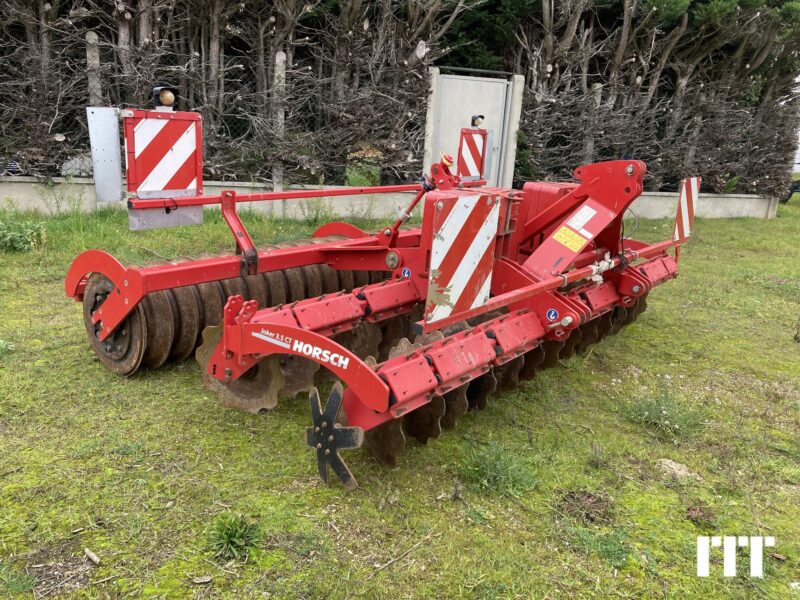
(420, 324)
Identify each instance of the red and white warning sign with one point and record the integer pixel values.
(462, 254)
(684, 220)
(472, 154)
(163, 152)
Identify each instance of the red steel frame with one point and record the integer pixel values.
(363, 251)
(582, 277)
(585, 289)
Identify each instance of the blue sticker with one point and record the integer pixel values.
(552, 314)
(406, 272)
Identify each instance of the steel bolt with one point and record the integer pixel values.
(629, 169)
(392, 260)
(125, 283)
(567, 321)
(387, 232)
(636, 289)
(440, 205)
(126, 300)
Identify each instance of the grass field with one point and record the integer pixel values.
(554, 491)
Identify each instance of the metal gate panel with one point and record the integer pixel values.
(461, 97)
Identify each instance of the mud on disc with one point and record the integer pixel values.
(122, 352)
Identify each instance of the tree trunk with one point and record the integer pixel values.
(93, 69)
(279, 95)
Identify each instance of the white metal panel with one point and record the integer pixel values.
(104, 138)
(460, 97)
(156, 218)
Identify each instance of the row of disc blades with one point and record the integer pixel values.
(167, 325)
(387, 441)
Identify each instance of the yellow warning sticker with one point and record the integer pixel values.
(570, 239)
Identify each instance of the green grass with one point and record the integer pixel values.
(14, 582)
(20, 236)
(612, 546)
(232, 537)
(665, 415)
(494, 468)
(139, 469)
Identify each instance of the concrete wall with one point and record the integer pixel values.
(365, 206)
(660, 205)
(58, 195)
(27, 193)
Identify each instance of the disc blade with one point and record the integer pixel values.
(604, 325)
(160, 323)
(533, 361)
(552, 348)
(123, 351)
(424, 423)
(508, 379)
(589, 336)
(618, 317)
(570, 344)
(386, 441)
(456, 406)
(298, 374)
(187, 302)
(479, 390)
(254, 391)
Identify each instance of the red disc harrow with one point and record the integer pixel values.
(420, 324)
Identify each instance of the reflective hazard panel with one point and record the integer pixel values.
(684, 219)
(472, 152)
(462, 254)
(163, 153)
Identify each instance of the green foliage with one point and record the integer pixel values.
(483, 35)
(21, 236)
(715, 13)
(232, 537)
(524, 168)
(666, 11)
(494, 468)
(14, 582)
(665, 415)
(6, 348)
(731, 184)
(362, 174)
(316, 211)
(610, 545)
